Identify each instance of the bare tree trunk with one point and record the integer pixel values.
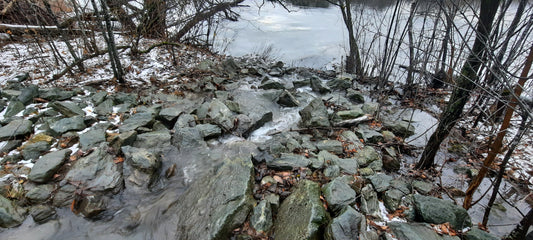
(154, 23)
(409, 82)
(465, 84)
(495, 147)
(353, 60)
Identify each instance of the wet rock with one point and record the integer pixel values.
(64, 196)
(11, 215)
(155, 141)
(315, 114)
(338, 194)
(46, 166)
(478, 234)
(40, 193)
(42, 213)
(422, 187)
(96, 171)
(355, 96)
(137, 120)
(92, 205)
(220, 114)
(366, 156)
(401, 128)
(209, 131)
(286, 99)
(370, 108)
(416, 231)
(92, 138)
(13, 108)
(271, 84)
(104, 108)
(261, 219)
(246, 127)
(188, 138)
(34, 150)
(346, 226)
(333, 146)
(288, 161)
(68, 124)
(28, 93)
(123, 139)
(216, 204)
(435, 210)
(301, 215)
(369, 202)
(380, 181)
(392, 199)
(67, 108)
(318, 86)
(142, 159)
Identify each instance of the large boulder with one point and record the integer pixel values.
(338, 194)
(315, 114)
(15, 129)
(220, 114)
(416, 231)
(11, 215)
(347, 225)
(301, 215)
(437, 211)
(96, 171)
(218, 203)
(92, 138)
(46, 166)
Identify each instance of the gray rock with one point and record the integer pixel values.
(301, 215)
(315, 114)
(301, 83)
(338, 194)
(422, 187)
(369, 235)
(125, 98)
(273, 200)
(416, 231)
(370, 108)
(13, 108)
(42, 213)
(96, 171)
(27, 94)
(10, 145)
(123, 139)
(286, 99)
(104, 108)
(142, 159)
(435, 210)
(75, 123)
(333, 146)
(46, 166)
(220, 114)
(478, 234)
(11, 215)
(350, 114)
(369, 202)
(155, 141)
(214, 205)
(99, 97)
(233, 106)
(346, 226)
(355, 96)
(380, 181)
(271, 84)
(318, 86)
(67, 108)
(188, 138)
(370, 135)
(401, 185)
(34, 150)
(391, 164)
(400, 128)
(392, 199)
(185, 121)
(10, 93)
(40, 193)
(347, 165)
(170, 113)
(366, 156)
(339, 84)
(153, 109)
(261, 218)
(332, 171)
(55, 94)
(15, 129)
(209, 130)
(366, 171)
(137, 120)
(64, 196)
(92, 205)
(92, 138)
(255, 122)
(388, 136)
(288, 161)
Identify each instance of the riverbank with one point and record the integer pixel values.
(241, 147)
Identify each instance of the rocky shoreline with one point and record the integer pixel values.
(249, 150)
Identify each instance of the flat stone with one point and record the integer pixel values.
(355, 96)
(136, 120)
(170, 113)
(75, 123)
(28, 93)
(332, 171)
(67, 108)
(155, 141)
(142, 159)
(301, 215)
(220, 114)
(42, 213)
(46, 166)
(318, 86)
(350, 114)
(370, 135)
(367, 155)
(370, 108)
(416, 231)
(392, 199)
(99, 97)
(123, 139)
(261, 219)
(188, 138)
(14, 108)
(380, 181)
(437, 211)
(347, 225)
(32, 151)
(92, 205)
(422, 187)
(209, 130)
(333, 146)
(271, 84)
(92, 138)
(288, 161)
(40, 193)
(15, 129)
(400, 128)
(55, 94)
(104, 108)
(338, 194)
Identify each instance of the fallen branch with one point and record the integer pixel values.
(355, 121)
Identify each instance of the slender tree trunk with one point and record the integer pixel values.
(154, 23)
(353, 60)
(524, 126)
(409, 82)
(519, 233)
(466, 82)
(495, 147)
